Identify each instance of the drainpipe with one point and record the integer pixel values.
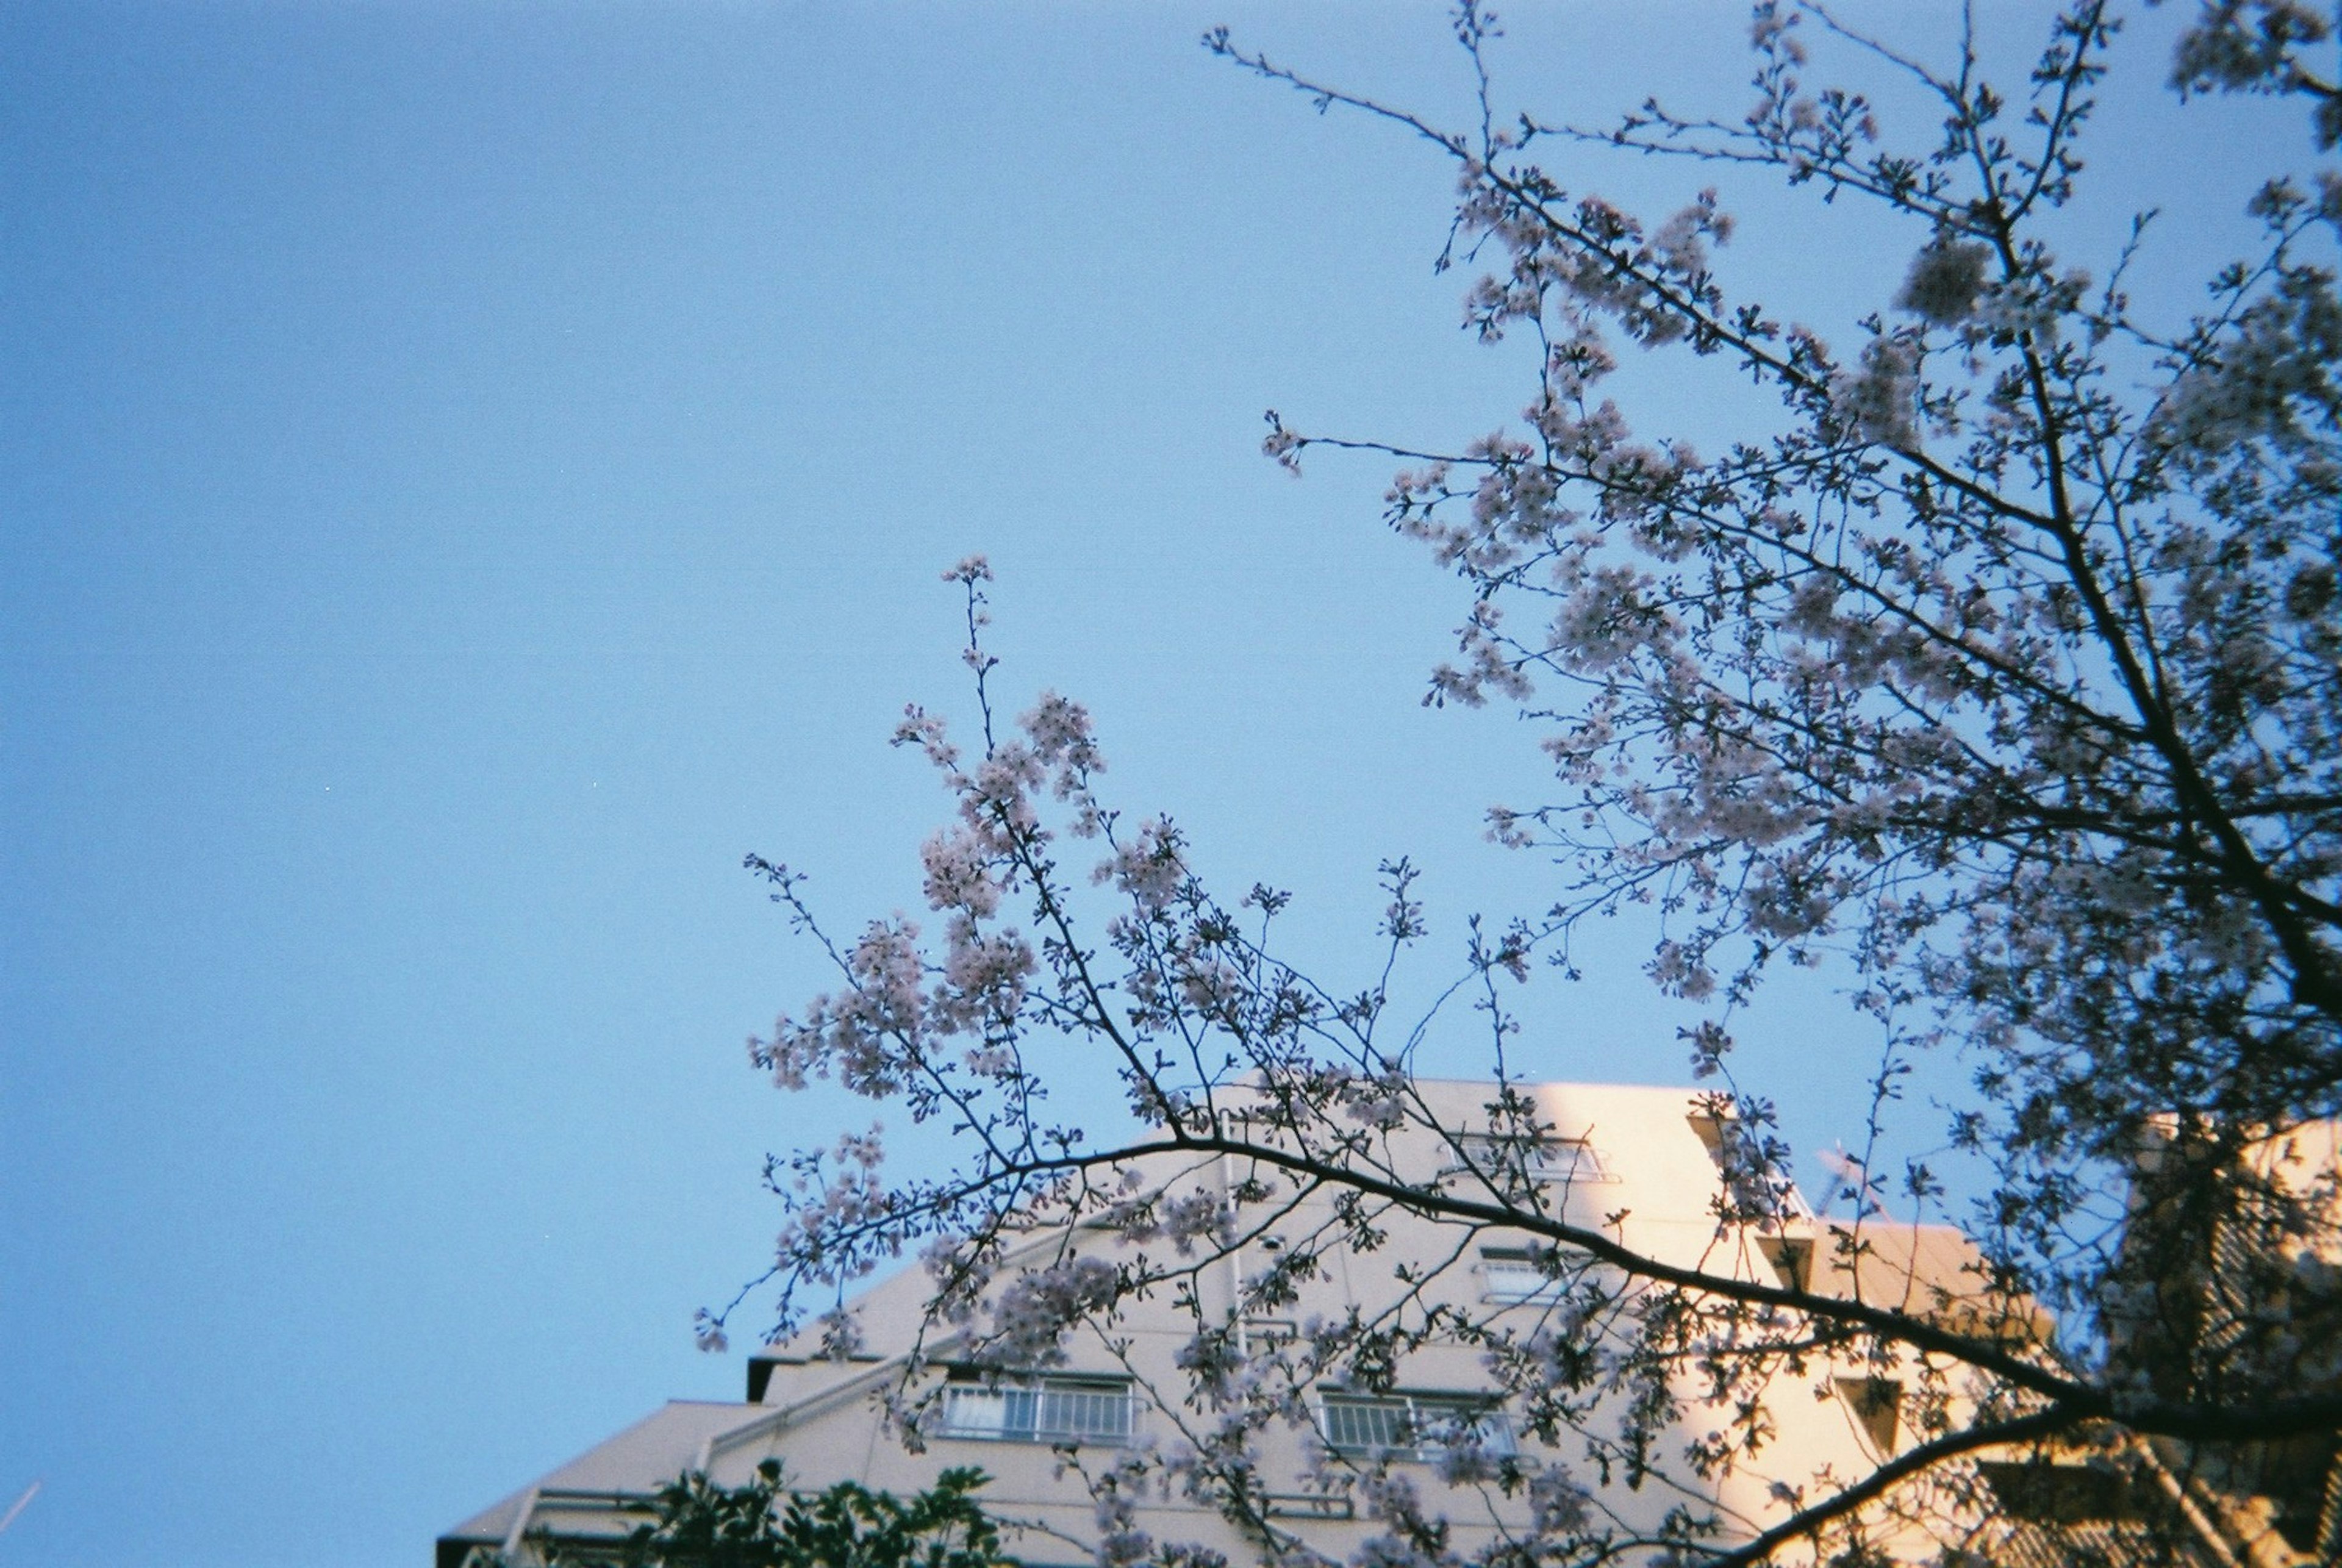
(1235, 1252)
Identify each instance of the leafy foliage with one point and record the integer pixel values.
(764, 1525)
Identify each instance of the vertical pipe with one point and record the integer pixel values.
(1235, 1252)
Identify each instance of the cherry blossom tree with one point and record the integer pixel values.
(1999, 666)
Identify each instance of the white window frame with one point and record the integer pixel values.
(1419, 1424)
(1511, 1277)
(1572, 1161)
(1094, 1412)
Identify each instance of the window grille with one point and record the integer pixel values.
(1414, 1427)
(1569, 1161)
(1566, 1160)
(1039, 1410)
(1514, 1277)
(1308, 1505)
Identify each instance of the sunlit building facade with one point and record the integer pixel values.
(1641, 1163)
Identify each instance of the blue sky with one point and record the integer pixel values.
(474, 471)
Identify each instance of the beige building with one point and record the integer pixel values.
(1640, 1164)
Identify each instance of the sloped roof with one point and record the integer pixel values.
(665, 1443)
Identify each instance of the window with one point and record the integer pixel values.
(1308, 1505)
(1567, 1160)
(1792, 1259)
(1414, 1427)
(1514, 1276)
(1564, 1160)
(1749, 1161)
(1877, 1402)
(1039, 1410)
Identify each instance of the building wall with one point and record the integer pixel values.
(1652, 1181)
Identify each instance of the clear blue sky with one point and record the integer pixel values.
(472, 471)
